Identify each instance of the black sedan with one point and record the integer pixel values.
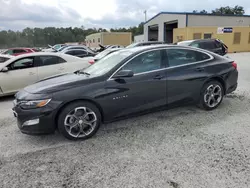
(123, 83)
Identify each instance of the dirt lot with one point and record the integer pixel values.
(184, 147)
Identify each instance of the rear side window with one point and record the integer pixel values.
(16, 51)
(71, 52)
(208, 45)
(80, 52)
(177, 57)
(48, 60)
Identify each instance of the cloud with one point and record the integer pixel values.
(18, 14)
(15, 13)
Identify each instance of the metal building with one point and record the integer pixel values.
(161, 26)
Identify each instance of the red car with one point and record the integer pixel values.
(19, 51)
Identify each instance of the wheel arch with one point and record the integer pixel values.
(219, 79)
(78, 100)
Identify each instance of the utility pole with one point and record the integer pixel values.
(145, 12)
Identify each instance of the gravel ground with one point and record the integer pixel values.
(184, 147)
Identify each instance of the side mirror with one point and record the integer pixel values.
(5, 69)
(124, 74)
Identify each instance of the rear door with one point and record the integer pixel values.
(186, 73)
(20, 74)
(49, 66)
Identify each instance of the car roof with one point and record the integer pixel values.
(139, 49)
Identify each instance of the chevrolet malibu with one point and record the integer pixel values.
(126, 82)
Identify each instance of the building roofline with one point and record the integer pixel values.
(192, 13)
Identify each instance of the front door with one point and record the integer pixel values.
(20, 74)
(145, 90)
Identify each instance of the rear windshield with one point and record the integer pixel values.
(3, 59)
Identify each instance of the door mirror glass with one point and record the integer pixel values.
(5, 69)
(124, 74)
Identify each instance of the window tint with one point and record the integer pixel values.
(15, 51)
(48, 60)
(71, 52)
(208, 45)
(80, 52)
(148, 61)
(61, 60)
(178, 57)
(22, 64)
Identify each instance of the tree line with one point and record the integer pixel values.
(236, 10)
(41, 37)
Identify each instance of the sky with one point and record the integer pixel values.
(19, 14)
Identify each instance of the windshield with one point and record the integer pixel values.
(57, 46)
(105, 64)
(132, 45)
(60, 49)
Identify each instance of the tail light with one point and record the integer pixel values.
(234, 65)
(91, 62)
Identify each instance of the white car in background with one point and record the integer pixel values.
(17, 72)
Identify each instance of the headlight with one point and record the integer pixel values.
(34, 104)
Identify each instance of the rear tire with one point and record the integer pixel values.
(79, 120)
(211, 96)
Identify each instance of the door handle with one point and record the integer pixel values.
(61, 68)
(200, 69)
(158, 77)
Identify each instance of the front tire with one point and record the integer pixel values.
(212, 94)
(79, 120)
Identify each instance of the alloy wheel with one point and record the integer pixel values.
(80, 122)
(213, 95)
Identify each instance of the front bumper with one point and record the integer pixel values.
(36, 121)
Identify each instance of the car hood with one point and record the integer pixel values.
(56, 83)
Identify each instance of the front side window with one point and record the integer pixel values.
(177, 57)
(145, 62)
(22, 64)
